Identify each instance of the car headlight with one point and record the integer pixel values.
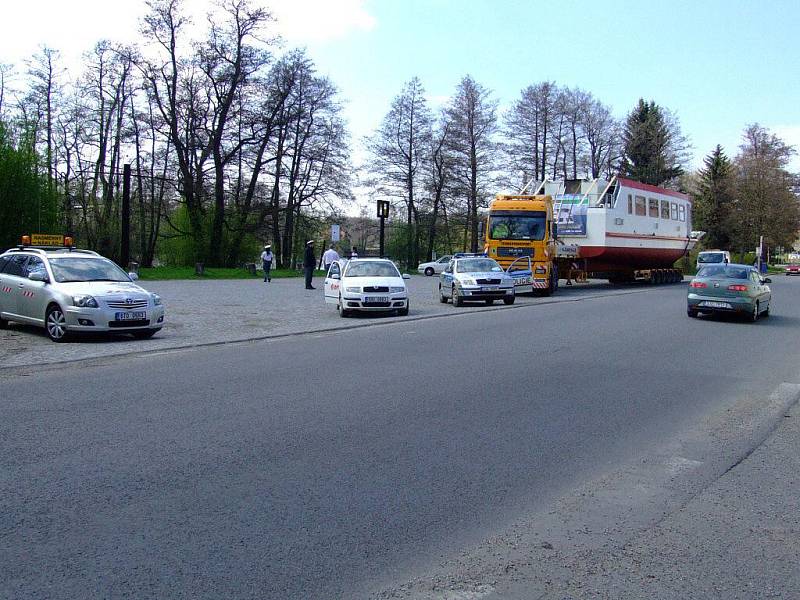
(352, 290)
(467, 281)
(156, 299)
(85, 301)
(396, 290)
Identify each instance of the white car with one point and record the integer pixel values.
(475, 277)
(66, 290)
(366, 284)
(435, 267)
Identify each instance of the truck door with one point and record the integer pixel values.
(521, 271)
(333, 282)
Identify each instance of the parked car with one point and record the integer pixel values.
(475, 277)
(435, 267)
(793, 269)
(730, 288)
(366, 284)
(66, 290)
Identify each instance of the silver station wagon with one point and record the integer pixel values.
(66, 290)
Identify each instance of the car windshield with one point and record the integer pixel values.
(529, 226)
(710, 257)
(477, 265)
(76, 268)
(371, 269)
(727, 272)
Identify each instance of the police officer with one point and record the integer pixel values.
(309, 262)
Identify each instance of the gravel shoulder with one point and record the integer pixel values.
(222, 311)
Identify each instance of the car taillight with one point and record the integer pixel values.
(737, 288)
(698, 284)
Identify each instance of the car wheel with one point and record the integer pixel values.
(509, 300)
(691, 312)
(3, 323)
(756, 312)
(403, 312)
(145, 334)
(442, 297)
(343, 312)
(56, 324)
(489, 301)
(429, 271)
(457, 301)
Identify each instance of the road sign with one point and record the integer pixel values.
(335, 232)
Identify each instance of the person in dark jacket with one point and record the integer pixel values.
(309, 262)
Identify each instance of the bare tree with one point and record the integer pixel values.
(399, 150)
(472, 121)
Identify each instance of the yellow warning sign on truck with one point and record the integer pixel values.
(46, 239)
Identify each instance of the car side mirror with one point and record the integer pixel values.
(38, 276)
(336, 276)
(406, 276)
(133, 276)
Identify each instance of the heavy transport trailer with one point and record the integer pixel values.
(620, 230)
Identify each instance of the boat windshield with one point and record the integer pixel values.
(526, 226)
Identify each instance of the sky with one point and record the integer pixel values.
(719, 65)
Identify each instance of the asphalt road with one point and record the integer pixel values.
(340, 464)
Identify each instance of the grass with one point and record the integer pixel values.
(163, 273)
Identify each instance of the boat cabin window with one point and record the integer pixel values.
(641, 206)
(674, 211)
(664, 209)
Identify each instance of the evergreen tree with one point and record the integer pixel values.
(653, 145)
(712, 199)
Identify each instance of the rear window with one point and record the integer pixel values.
(728, 272)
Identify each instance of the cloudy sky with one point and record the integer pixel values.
(719, 64)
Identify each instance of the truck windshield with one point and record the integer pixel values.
(528, 226)
(710, 257)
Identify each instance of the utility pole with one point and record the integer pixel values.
(383, 212)
(125, 250)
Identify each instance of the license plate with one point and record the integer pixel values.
(376, 299)
(130, 316)
(489, 289)
(710, 304)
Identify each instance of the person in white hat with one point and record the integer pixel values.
(266, 262)
(309, 262)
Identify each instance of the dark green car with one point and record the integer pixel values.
(731, 288)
